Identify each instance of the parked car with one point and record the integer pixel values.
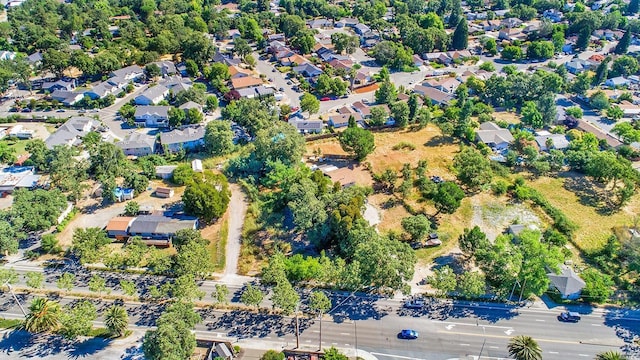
(414, 304)
(326, 98)
(281, 89)
(569, 316)
(408, 334)
(26, 110)
(61, 110)
(289, 83)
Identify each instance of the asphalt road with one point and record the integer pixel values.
(446, 331)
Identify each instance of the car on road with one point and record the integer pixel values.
(26, 110)
(569, 316)
(326, 98)
(61, 110)
(414, 304)
(281, 89)
(408, 334)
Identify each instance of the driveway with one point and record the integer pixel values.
(279, 81)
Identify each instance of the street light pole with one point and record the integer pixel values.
(297, 327)
(483, 341)
(355, 325)
(15, 298)
(320, 341)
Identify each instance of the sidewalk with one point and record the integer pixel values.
(255, 348)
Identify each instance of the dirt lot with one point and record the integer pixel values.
(509, 117)
(594, 227)
(93, 215)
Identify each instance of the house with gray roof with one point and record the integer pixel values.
(305, 126)
(433, 95)
(189, 138)
(568, 283)
(557, 141)
(67, 98)
(35, 59)
(494, 136)
(58, 85)
(176, 84)
(71, 132)
(190, 105)
(152, 116)
(138, 144)
(103, 89)
(152, 95)
(167, 68)
(132, 72)
(307, 70)
(159, 229)
(320, 23)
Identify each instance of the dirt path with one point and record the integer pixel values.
(237, 209)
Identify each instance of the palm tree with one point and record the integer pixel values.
(610, 355)
(524, 348)
(44, 315)
(116, 319)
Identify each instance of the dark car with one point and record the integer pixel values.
(569, 316)
(281, 89)
(408, 334)
(26, 110)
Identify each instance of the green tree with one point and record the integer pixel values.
(132, 208)
(183, 174)
(491, 47)
(357, 141)
(523, 347)
(624, 65)
(384, 263)
(580, 84)
(615, 113)
(88, 244)
(512, 53)
(612, 355)
(107, 160)
(473, 169)
(447, 197)
(218, 138)
(97, 284)
(279, 142)
(252, 296)
(207, 199)
(66, 281)
(472, 284)
(128, 287)
(44, 316)
(185, 288)
(459, 40)
(531, 115)
(599, 100)
(472, 240)
(598, 286)
(574, 111)
(443, 280)
(334, 354)
(34, 279)
(319, 302)
(193, 258)
(220, 294)
(623, 45)
(38, 209)
(601, 72)
(285, 297)
(400, 111)
(173, 338)
(378, 116)
(50, 244)
(116, 320)
(342, 42)
(177, 117)
(309, 103)
(417, 226)
(7, 153)
(272, 355)
(386, 93)
(77, 320)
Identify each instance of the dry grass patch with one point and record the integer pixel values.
(509, 117)
(217, 234)
(593, 227)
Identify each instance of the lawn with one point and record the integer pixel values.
(593, 227)
(18, 145)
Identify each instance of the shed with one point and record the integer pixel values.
(196, 165)
(163, 192)
(165, 172)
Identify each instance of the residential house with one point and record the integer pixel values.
(576, 66)
(568, 283)
(276, 37)
(320, 23)
(227, 60)
(245, 82)
(306, 126)
(58, 85)
(71, 132)
(599, 134)
(417, 60)
(165, 172)
(361, 29)
(7, 55)
(138, 144)
(617, 82)
(553, 15)
(16, 177)
(176, 84)
(152, 95)
(362, 78)
(118, 227)
(342, 120)
(110, 87)
(67, 98)
(307, 70)
(257, 91)
(20, 132)
(511, 34)
(158, 230)
(494, 136)
(558, 141)
(190, 105)
(238, 72)
(294, 60)
(362, 108)
(629, 109)
(511, 22)
(35, 59)
(370, 39)
(132, 73)
(167, 68)
(435, 96)
(283, 53)
(438, 57)
(447, 84)
(232, 34)
(189, 138)
(490, 25)
(347, 22)
(152, 116)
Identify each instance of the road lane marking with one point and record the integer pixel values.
(345, 334)
(465, 344)
(474, 325)
(553, 352)
(596, 325)
(583, 355)
(493, 347)
(395, 356)
(506, 337)
(540, 320)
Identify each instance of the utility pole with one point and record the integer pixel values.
(297, 327)
(320, 341)
(355, 325)
(483, 341)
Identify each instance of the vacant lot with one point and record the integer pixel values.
(594, 226)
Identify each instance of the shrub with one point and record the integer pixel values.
(404, 145)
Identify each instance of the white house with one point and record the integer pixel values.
(494, 136)
(152, 116)
(152, 95)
